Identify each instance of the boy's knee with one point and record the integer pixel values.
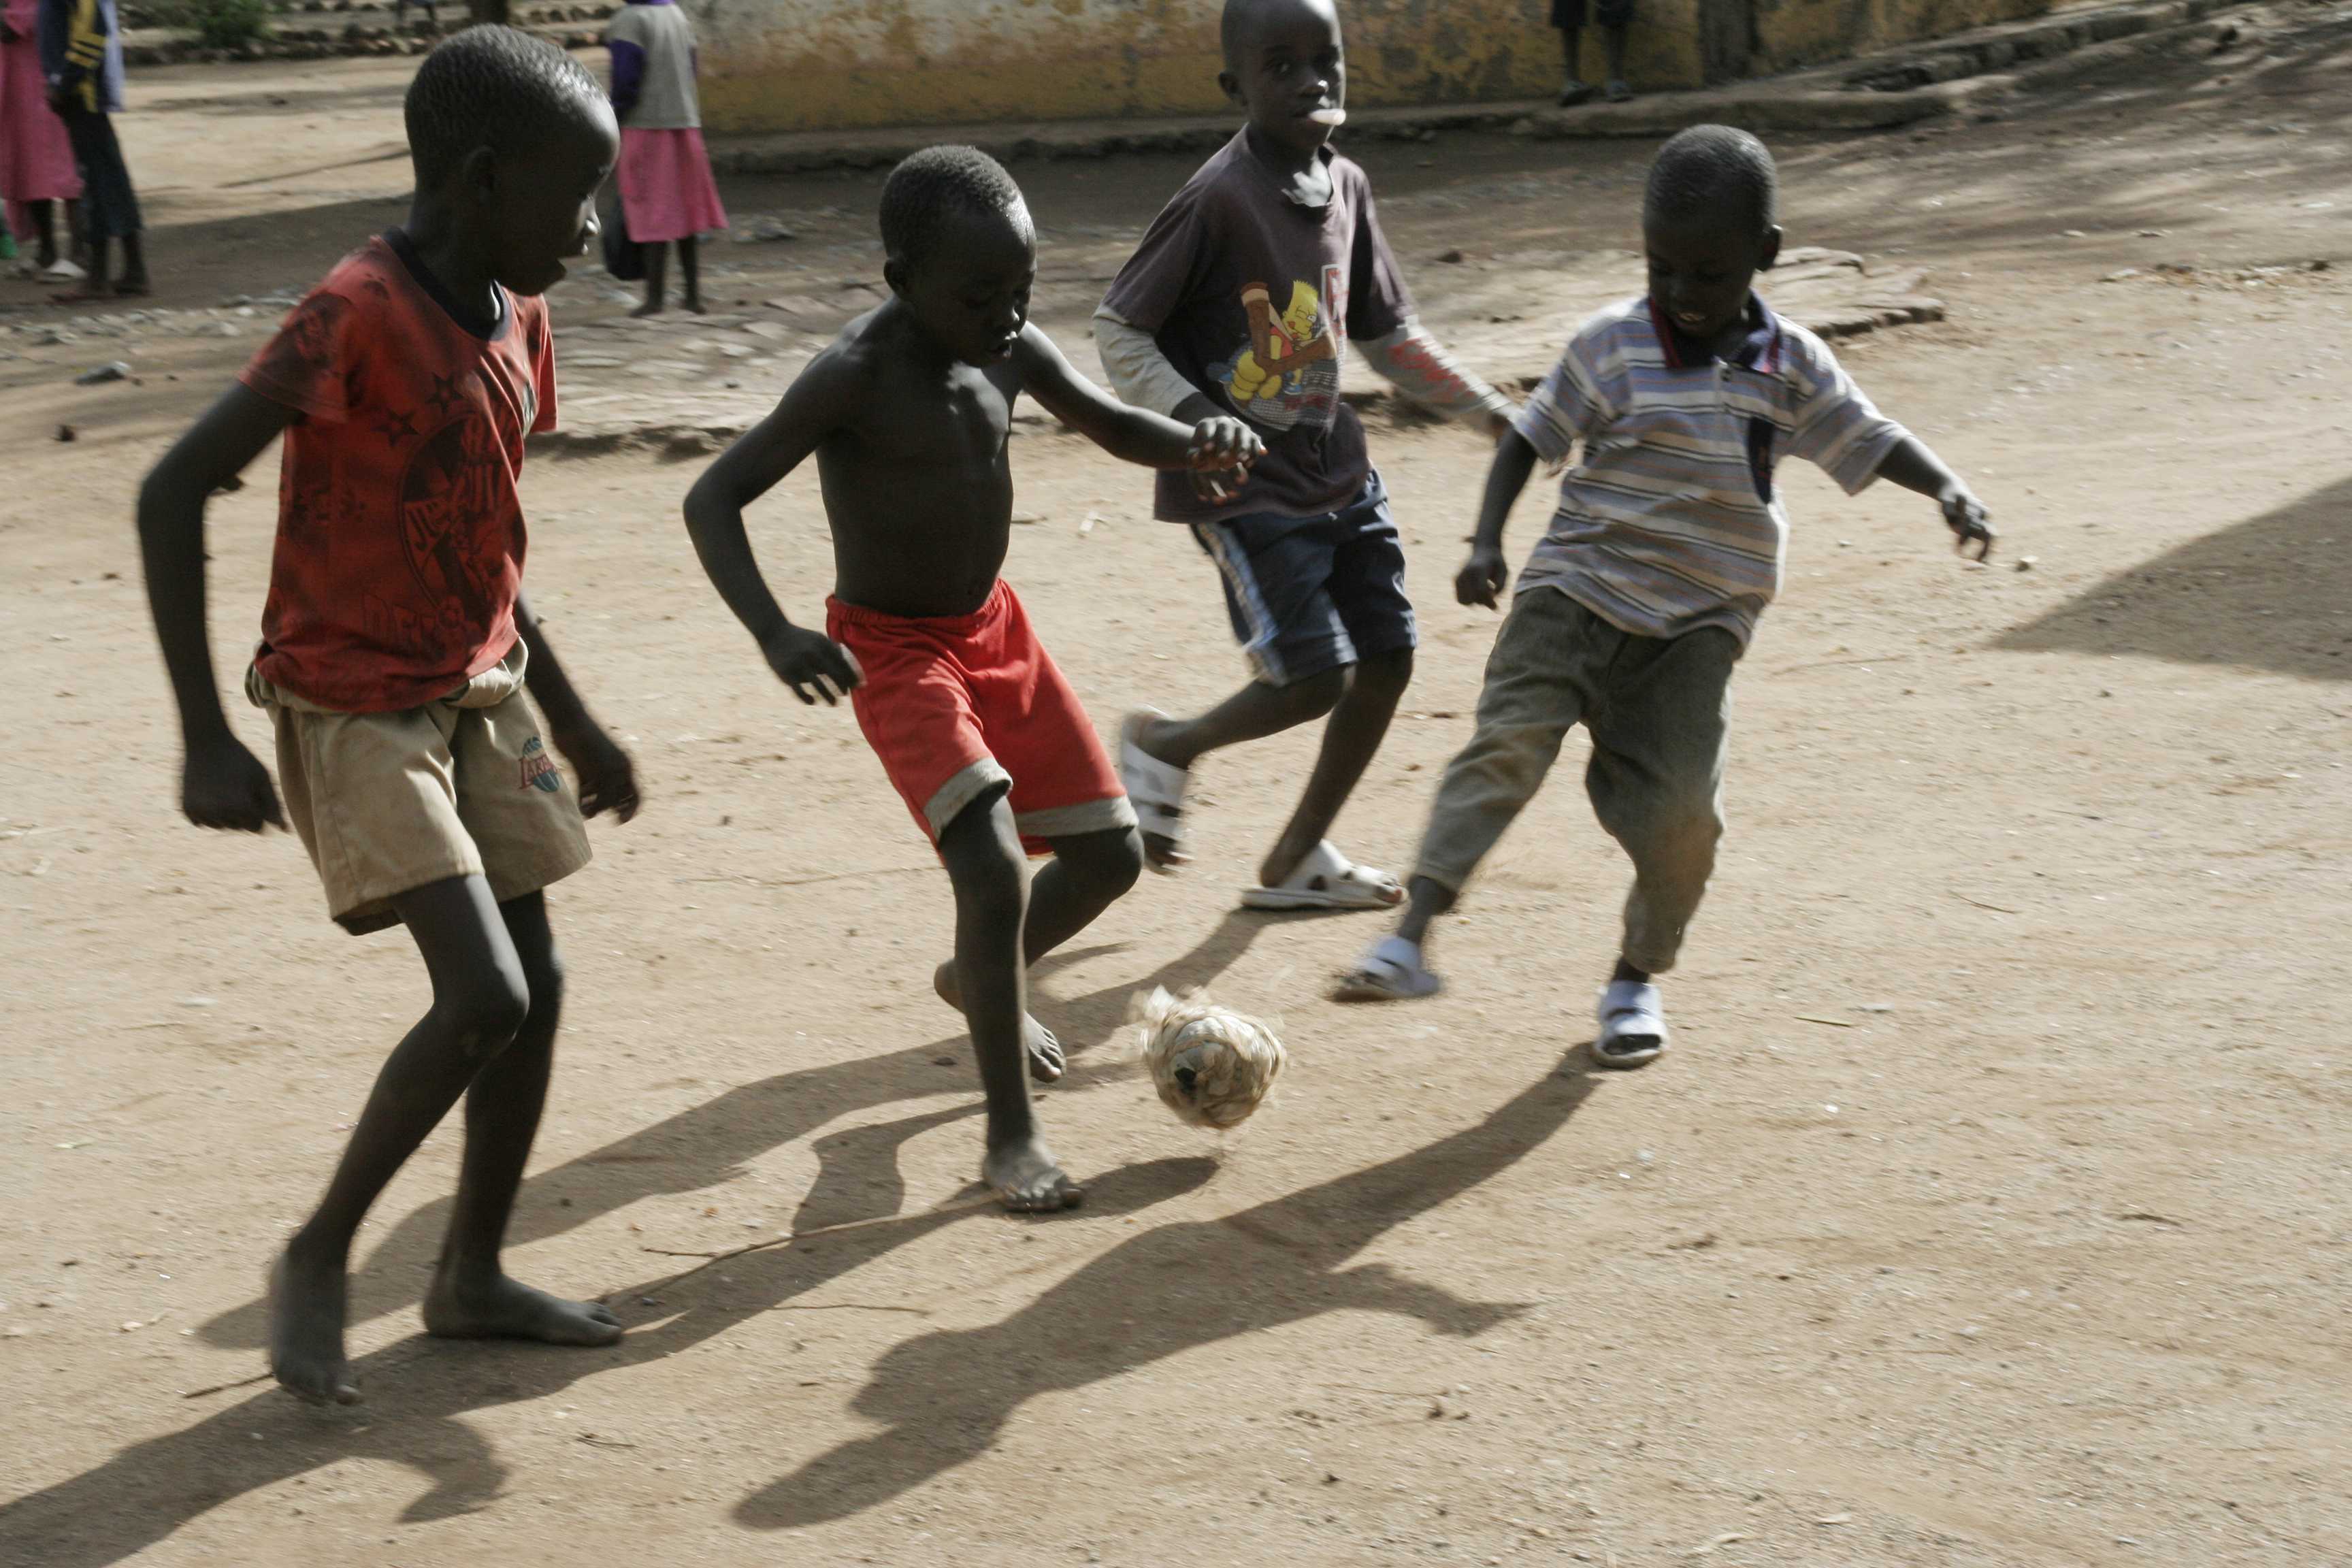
(984, 862)
(1313, 696)
(1387, 674)
(1112, 861)
(487, 1013)
(543, 988)
(991, 888)
(1683, 827)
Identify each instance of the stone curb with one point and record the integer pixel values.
(1924, 82)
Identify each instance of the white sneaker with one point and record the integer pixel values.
(1632, 1025)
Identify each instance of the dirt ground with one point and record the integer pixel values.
(1991, 1210)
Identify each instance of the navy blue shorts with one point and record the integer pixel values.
(1312, 594)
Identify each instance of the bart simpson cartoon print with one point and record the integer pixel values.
(1290, 372)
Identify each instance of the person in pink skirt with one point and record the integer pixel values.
(37, 161)
(666, 194)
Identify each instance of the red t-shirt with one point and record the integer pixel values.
(400, 530)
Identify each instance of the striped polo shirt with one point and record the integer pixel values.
(1669, 521)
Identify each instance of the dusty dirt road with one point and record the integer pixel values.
(1992, 1208)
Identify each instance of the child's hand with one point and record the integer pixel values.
(813, 665)
(608, 780)
(1220, 456)
(1224, 443)
(1483, 577)
(222, 784)
(1966, 517)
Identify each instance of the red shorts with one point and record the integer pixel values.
(960, 708)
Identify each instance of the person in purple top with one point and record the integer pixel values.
(1246, 297)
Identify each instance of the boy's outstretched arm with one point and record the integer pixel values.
(1417, 364)
(808, 661)
(1485, 575)
(608, 780)
(1212, 443)
(222, 784)
(1910, 463)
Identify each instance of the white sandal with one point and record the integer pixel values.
(1632, 1025)
(1156, 789)
(1390, 970)
(1327, 879)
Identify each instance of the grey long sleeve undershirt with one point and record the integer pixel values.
(1409, 357)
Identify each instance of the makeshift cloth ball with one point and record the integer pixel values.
(1211, 1065)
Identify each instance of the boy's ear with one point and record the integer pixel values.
(1231, 86)
(894, 273)
(478, 172)
(1770, 250)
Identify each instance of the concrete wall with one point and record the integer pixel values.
(1792, 33)
(802, 65)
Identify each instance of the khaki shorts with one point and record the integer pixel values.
(390, 802)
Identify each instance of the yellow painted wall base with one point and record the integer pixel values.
(814, 65)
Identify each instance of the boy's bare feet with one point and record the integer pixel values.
(1046, 1060)
(694, 305)
(306, 1328)
(1027, 1180)
(650, 308)
(497, 1308)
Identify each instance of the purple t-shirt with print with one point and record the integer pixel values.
(1251, 296)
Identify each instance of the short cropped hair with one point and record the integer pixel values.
(939, 182)
(491, 87)
(1236, 23)
(1715, 172)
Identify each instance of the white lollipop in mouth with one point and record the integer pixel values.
(1333, 117)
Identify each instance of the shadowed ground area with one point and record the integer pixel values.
(2271, 593)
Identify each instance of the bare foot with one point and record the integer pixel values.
(650, 308)
(306, 1328)
(1026, 1180)
(694, 304)
(498, 1308)
(1046, 1060)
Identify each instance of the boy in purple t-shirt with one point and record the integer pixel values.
(1240, 301)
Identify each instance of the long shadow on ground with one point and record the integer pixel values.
(2271, 592)
(419, 1389)
(945, 1396)
(708, 1145)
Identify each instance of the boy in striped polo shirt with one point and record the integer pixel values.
(1665, 550)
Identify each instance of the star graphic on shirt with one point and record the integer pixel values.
(396, 426)
(445, 395)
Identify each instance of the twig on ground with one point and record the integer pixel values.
(1830, 663)
(821, 877)
(225, 1387)
(709, 1258)
(1389, 1393)
(1997, 909)
(1833, 1022)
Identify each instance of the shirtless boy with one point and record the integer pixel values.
(907, 414)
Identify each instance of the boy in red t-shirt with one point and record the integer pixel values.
(392, 657)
